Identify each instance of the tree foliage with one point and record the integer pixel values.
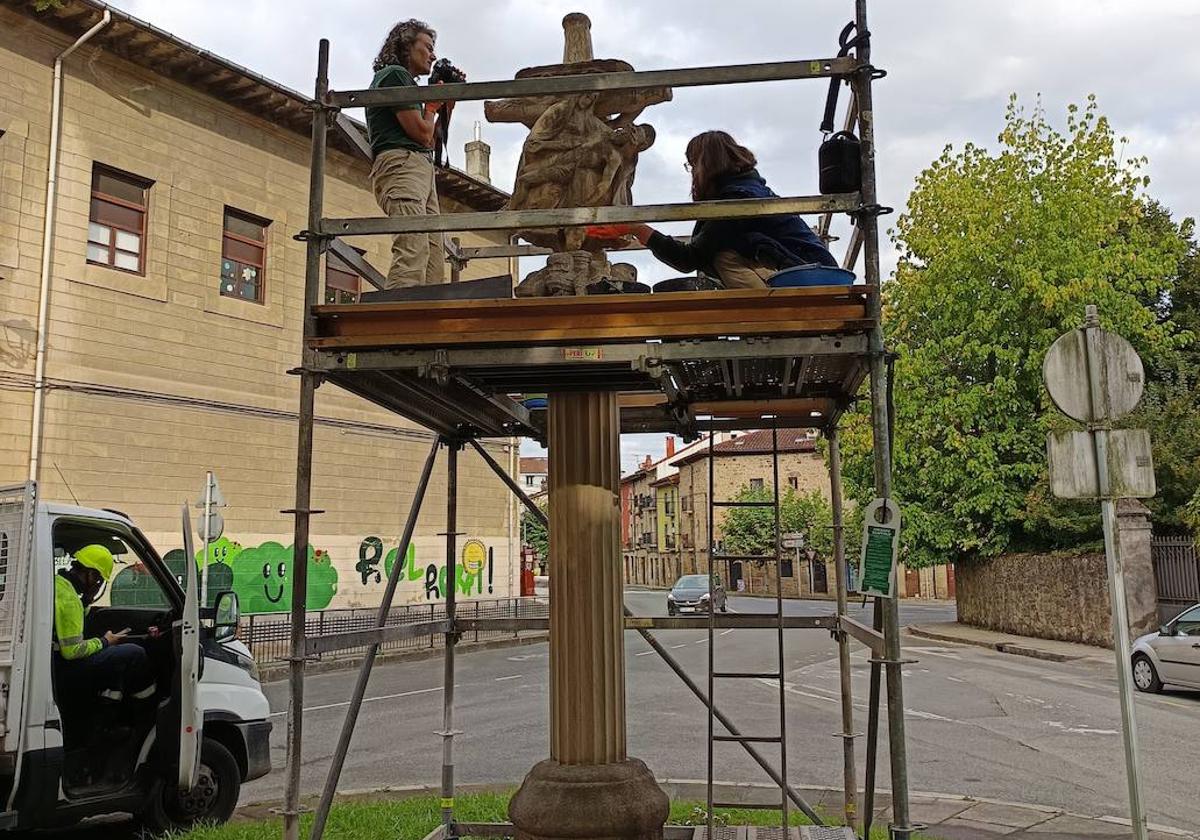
(751, 530)
(534, 533)
(998, 255)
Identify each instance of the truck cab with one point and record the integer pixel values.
(179, 758)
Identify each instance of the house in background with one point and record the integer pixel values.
(173, 303)
(534, 473)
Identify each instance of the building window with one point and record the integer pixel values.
(756, 484)
(786, 567)
(244, 256)
(117, 220)
(342, 283)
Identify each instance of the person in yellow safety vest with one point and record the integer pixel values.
(98, 667)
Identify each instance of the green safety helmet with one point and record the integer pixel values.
(96, 557)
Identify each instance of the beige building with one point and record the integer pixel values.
(745, 460)
(172, 304)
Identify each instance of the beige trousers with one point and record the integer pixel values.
(404, 185)
(737, 272)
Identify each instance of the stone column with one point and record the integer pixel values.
(589, 787)
(1141, 594)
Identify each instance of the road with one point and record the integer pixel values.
(979, 722)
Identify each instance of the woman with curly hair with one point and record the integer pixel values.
(401, 139)
(742, 253)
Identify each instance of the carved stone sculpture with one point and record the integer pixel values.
(571, 272)
(582, 149)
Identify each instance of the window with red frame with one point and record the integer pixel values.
(244, 256)
(342, 284)
(117, 220)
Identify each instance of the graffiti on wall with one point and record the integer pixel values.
(261, 574)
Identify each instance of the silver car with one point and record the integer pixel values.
(689, 595)
(1171, 656)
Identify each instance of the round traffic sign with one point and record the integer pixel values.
(1119, 376)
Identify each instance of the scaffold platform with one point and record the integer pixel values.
(683, 362)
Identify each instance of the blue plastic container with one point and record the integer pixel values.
(811, 275)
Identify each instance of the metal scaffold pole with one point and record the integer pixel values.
(364, 671)
(448, 732)
(849, 774)
(869, 225)
(304, 458)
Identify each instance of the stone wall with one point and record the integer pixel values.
(1061, 596)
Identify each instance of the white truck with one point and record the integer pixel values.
(182, 762)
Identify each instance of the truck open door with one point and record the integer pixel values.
(187, 639)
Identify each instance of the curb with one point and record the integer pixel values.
(276, 670)
(262, 810)
(1002, 647)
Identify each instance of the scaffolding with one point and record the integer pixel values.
(686, 363)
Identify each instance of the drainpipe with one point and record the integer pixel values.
(39, 370)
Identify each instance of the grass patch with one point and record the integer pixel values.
(414, 817)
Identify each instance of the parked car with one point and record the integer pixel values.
(690, 594)
(1171, 656)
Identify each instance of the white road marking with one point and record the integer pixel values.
(511, 677)
(726, 632)
(365, 700)
(677, 647)
(644, 653)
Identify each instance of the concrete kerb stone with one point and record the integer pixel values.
(1005, 645)
(1041, 820)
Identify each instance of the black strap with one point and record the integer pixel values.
(846, 43)
(441, 137)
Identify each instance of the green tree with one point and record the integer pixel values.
(751, 530)
(534, 533)
(998, 255)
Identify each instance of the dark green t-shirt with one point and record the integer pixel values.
(383, 129)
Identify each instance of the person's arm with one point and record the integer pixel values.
(418, 123)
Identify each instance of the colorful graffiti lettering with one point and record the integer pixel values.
(433, 575)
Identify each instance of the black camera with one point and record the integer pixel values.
(444, 72)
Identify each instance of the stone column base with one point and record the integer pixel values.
(619, 801)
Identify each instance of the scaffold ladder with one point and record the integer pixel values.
(776, 675)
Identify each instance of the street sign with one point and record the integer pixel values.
(880, 548)
(1110, 391)
(216, 526)
(1095, 377)
(1073, 473)
(217, 499)
(793, 539)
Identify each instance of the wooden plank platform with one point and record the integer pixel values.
(681, 362)
(596, 318)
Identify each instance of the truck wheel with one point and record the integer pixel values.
(211, 801)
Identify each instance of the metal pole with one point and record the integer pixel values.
(447, 732)
(849, 775)
(710, 700)
(1116, 572)
(304, 456)
(779, 610)
(512, 485)
(208, 488)
(868, 223)
(364, 671)
(872, 726)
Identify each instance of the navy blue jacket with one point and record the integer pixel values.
(778, 242)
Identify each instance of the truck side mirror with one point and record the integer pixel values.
(227, 614)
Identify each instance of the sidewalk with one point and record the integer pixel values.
(947, 816)
(1054, 651)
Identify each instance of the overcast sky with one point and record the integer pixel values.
(951, 67)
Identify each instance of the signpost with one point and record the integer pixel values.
(1096, 377)
(212, 525)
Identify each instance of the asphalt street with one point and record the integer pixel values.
(979, 722)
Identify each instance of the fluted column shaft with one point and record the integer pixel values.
(587, 667)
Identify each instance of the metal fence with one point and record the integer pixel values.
(1176, 573)
(268, 637)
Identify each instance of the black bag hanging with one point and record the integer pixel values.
(838, 159)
